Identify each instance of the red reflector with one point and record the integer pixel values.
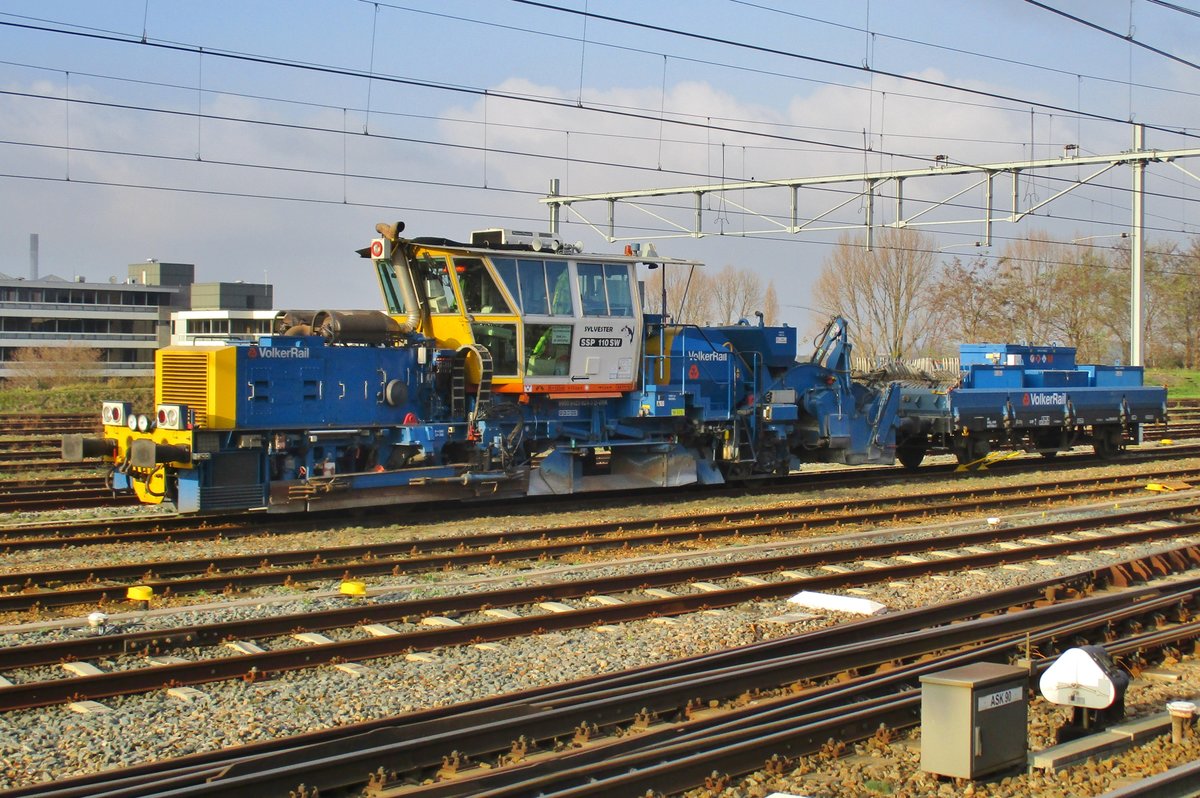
(162, 416)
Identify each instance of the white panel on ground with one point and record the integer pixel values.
(831, 601)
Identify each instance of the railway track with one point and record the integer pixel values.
(692, 719)
(48, 424)
(395, 780)
(100, 585)
(178, 528)
(59, 493)
(690, 589)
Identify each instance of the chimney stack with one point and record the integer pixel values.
(33, 256)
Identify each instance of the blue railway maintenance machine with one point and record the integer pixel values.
(509, 365)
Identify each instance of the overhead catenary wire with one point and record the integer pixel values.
(973, 52)
(800, 78)
(377, 112)
(339, 131)
(559, 102)
(1175, 7)
(1125, 37)
(1021, 101)
(815, 143)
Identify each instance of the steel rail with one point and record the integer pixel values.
(750, 521)
(1178, 782)
(950, 499)
(10, 486)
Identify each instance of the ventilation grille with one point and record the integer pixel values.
(232, 497)
(183, 378)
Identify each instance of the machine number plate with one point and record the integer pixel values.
(993, 700)
(601, 342)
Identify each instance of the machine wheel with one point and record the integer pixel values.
(1107, 441)
(736, 472)
(1051, 443)
(970, 449)
(911, 452)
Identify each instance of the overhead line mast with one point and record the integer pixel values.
(872, 182)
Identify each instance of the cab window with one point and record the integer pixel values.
(559, 282)
(501, 342)
(591, 289)
(620, 297)
(531, 274)
(479, 291)
(507, 269)
(542, 288)
(604, 289)
(548, 350)
(438, 286)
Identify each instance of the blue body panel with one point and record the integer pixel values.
(302, 382)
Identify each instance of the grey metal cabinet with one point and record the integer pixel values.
(973, 720)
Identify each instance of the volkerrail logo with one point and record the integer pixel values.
(289, 353)
(1043, 399)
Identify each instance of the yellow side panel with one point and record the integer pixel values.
(661, 366)
(203, 378)
(451, 332)
(223, 389)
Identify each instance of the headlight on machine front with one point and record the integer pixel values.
(172, 417)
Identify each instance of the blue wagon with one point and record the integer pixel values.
(1032, 398)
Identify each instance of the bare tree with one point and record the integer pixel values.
(1028, 270)
(886, 292)
(1172, 301)
(1184, 290)
(1082, 282)
(965, 305)
(740, 293)
(695, 297)
(689, 293)
(770, 304)
(1159, 309)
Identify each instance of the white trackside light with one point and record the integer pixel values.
(115, 414)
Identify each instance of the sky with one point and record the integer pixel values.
(264, 140)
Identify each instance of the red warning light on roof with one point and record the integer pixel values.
(377, 248)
